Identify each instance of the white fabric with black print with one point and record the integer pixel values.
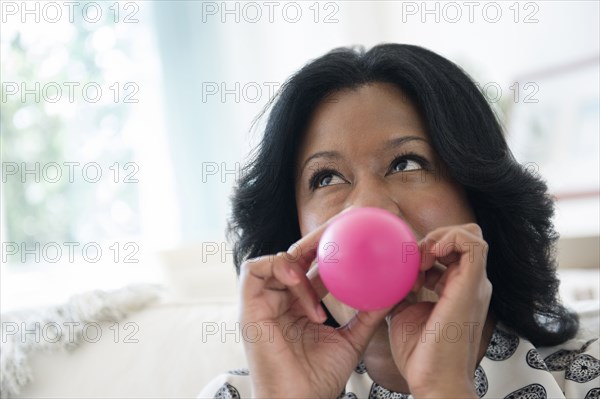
(512, 369)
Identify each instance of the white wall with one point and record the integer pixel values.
(182, 47)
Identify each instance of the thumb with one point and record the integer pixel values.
(360, 329)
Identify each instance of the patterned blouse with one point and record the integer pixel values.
(512, 368)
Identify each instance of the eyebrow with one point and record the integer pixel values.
(392, 143)
(400, 141)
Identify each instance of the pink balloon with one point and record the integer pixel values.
(368, 258)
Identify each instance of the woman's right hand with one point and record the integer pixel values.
(290, 352)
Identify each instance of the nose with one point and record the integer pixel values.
(373, 192)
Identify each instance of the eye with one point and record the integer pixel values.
(408, 162)
(404, 165)
(325, 178)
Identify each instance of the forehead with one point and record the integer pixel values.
(362, 117)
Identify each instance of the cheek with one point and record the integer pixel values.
(443, 207)
(311, 216)
(307, 219)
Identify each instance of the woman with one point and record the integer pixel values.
(403, 129)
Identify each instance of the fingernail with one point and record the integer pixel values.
(397, 309)
(292, 250)
(388, 319)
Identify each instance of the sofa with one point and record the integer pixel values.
(164, 341)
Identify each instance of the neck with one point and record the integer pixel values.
(382, 369)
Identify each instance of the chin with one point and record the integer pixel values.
(343, 313)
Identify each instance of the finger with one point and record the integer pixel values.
(415, 313)
(266, 272)
(463, 252)
(459, 244)
(307, 297)
(304, 251)
(274, 273)
(406, 320)
(315, 280)
(426, 248)
(433, 275)
(360, 329)
(431, 244)
(472, 228)
(448, 246)
(301, 253)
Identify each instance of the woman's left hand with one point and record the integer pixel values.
(436, 345)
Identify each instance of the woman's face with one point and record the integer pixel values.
(368, 147)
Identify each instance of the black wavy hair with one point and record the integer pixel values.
(511, 204)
